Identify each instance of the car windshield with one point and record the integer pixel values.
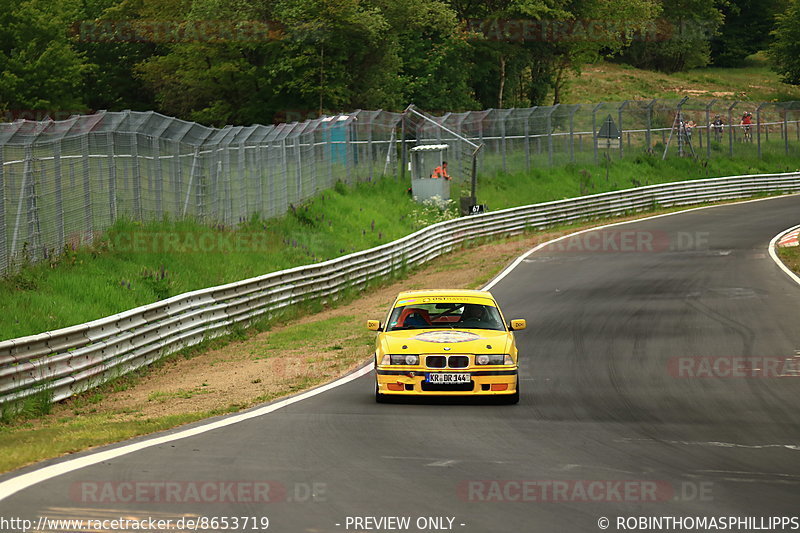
(445, 315)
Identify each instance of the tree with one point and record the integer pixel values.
(746, 30)
(433, 48)
(682, 39)
(784, 52)
(526, 47)
(337, 55)
(39, 70)
(102, 37)
(220, 69)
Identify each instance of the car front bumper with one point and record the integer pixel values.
(494, 382)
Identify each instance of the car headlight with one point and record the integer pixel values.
(494, 359)
(400, 359)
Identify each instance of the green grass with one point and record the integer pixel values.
(22, 446)
(610, 82)
(791, 257)
(571, 180)
(300, 335)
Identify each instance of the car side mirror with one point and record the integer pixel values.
(518, 324)
(374, 325)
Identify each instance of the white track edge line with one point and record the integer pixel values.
(774, 255)
(23, 481)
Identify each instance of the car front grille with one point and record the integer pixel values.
(441, 361)
(436, 361)
(458, 361)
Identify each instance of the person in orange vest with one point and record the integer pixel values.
(441, 171)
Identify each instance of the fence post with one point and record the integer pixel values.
(594, 129)
(244, 190)
(227, 184)
(572, 134)
(159, 184)
(347, 149)
(730, 126)
(201, 187)
(758, 128)
(177, 173)
(299, 163)
(87, 189)
(260, 154)
(60, 236)
(285, 171)
(648, 133)
(503, 117)
(621, 129)
(708, 127)
(3, 225)
(528, 140)
(403, 154)
(786, 130)
(136, 176)
(112, 178)
(370, 153)
(550, 134)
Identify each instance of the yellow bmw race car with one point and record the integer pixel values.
(446, 343)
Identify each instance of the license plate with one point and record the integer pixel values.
(448, 377)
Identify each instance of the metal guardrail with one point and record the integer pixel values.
(70, 360)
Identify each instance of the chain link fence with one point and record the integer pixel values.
(63, 182)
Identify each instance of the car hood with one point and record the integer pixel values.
(474, 341)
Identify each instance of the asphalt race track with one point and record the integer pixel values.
(649, 388)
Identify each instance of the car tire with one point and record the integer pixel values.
(512, 399)
(380, 398)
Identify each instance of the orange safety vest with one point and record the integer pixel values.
(440, 172)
